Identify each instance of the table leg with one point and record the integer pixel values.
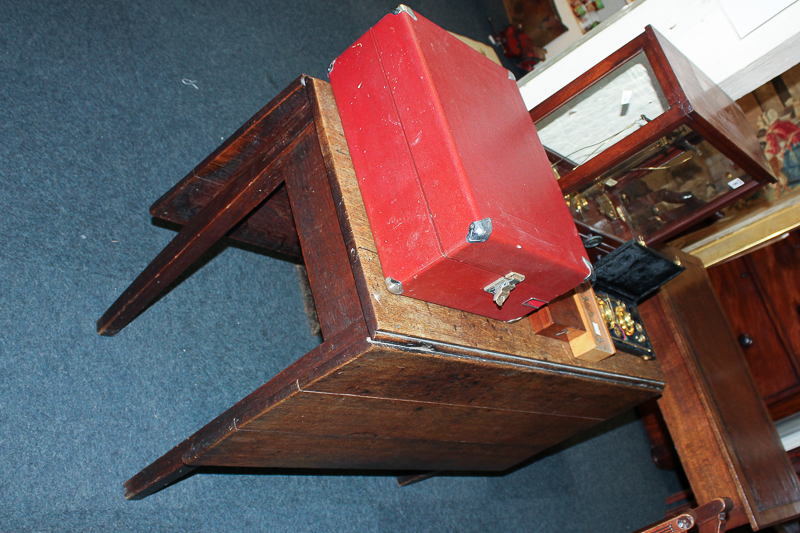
(238, 198)
(410, 479)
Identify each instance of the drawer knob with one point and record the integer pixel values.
(745, 340)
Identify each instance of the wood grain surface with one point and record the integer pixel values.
(760, 293)
(324, 252)
(262, 138)
(397, 383)
(239, 197)
(770, 363)
(715, 115)
(776, 271)
(309, 367)
(401, 319)
(575, 318)
(720, 426)
(394, 407)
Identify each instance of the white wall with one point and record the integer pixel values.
(699, 28)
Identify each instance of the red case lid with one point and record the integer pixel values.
(440, 138)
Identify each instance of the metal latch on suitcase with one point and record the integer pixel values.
(503, 286)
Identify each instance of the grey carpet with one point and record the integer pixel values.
(95, 124)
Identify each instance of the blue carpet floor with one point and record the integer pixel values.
(95, 124)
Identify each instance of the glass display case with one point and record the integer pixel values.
(645, 145)
(653, 192)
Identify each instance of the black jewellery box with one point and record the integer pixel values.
(624, 278)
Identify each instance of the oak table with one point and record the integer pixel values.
(397, 383)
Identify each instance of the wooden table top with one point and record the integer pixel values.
(406, 320)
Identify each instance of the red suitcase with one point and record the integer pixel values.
(463, 204)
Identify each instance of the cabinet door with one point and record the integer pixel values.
(760, 294)
(776, 270)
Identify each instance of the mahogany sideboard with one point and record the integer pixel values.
(397, 383)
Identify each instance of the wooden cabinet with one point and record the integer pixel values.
(760, 293)
(726, 442)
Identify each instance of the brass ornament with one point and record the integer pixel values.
(624, 319)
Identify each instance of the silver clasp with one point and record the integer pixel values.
(503, 286)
